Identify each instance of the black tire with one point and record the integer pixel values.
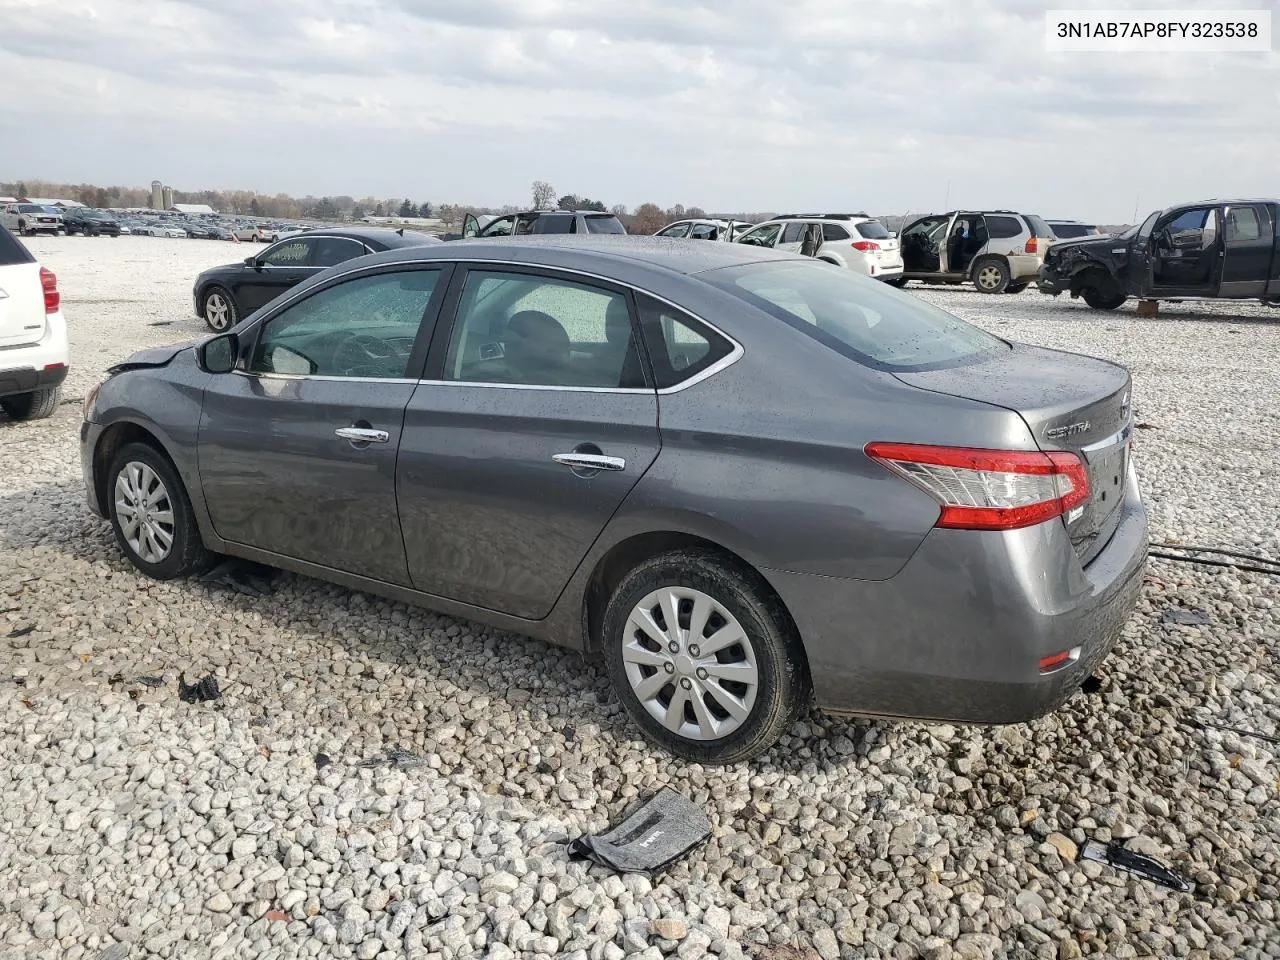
(990, 275)
(35, 405)
(224, 315)
(1017, 287)
(23, 231)
(186, 554)
(1102, 296)
(898, 282)
(782, 688)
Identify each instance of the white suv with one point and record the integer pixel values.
(852, 240)
(33, 335)
(705, 229)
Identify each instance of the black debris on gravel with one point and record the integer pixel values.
(243, 576)
(202, 691)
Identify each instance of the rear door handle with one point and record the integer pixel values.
(589, 461)
(362, 435)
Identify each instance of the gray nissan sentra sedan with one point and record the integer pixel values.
(749, 482)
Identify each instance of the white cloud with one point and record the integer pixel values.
(747, 105)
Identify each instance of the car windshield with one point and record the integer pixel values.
(858, 317)
(604, 225)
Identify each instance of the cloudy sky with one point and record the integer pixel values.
(730, 105)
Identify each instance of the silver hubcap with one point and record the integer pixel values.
(144, 512)
(690, 663)
(988, 278)
(218, 311)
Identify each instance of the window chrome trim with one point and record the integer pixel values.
(728, 360)
(322, 377)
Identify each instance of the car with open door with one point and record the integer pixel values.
(744, 480)
(998, 251)
(850, 240)
(702, 228)
(224, 295)
(538, 222)
(1213, 249)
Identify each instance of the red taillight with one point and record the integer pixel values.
(989, 489)
(866, 246)
(51, 296)
(1033, 246)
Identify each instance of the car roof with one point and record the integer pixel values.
(1218, 202)
(821, 216)
(599, 250)
(383, 235)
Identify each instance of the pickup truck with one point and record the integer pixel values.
(26, 219)
(543, 221)
(1224, 249)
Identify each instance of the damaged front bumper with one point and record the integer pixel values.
(1051, 282)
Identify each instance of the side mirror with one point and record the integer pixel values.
(470, 226)
(218, 355)
(252, 261)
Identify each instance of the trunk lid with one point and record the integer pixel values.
(1069, 402)
(21, 304)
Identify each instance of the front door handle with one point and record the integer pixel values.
(362, 434)
(589, 461)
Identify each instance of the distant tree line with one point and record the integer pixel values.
(645, 218)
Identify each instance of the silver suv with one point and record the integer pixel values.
(852, 240)
(999, 251)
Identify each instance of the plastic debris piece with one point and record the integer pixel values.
(653, 834)
(202, 691)
(22, 631)
(322, 761)
(396, 757)
(277, 915)
(1115, 855)
(1190, 618)
(242, 576)
(151, 681)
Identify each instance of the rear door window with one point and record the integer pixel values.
(1242, 224)
(833, 231)
(1003, 228)
(334, 250)
(857, 317)
(680, 347)
(609, 225)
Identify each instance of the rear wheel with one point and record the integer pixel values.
(991, 275)
(703, 657)
(151, 514)
(35, 405)
(219, 310)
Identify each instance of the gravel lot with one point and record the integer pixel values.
(134, 825)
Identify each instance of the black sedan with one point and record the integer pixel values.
(226, 294)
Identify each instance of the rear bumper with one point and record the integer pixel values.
(26, 379)
(888, 273)
(958, 633)
(1024, 266)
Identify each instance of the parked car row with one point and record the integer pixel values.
(847, 484)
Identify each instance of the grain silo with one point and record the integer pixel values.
(157, 195)
(168, 198)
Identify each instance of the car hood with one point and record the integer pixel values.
(154, 356)
(1077, 242)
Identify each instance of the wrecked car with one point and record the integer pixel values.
(1226, 249)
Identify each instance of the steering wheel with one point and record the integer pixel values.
(361, 355)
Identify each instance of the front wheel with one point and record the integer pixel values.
(36, 405)
(151, 514)
(219, 310)
(704, 657)
(991, 275)
(1102, 298)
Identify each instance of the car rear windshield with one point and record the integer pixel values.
(11, 250)
(863, 319)
(873, 230)
(609, 224)
(1038, 227)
